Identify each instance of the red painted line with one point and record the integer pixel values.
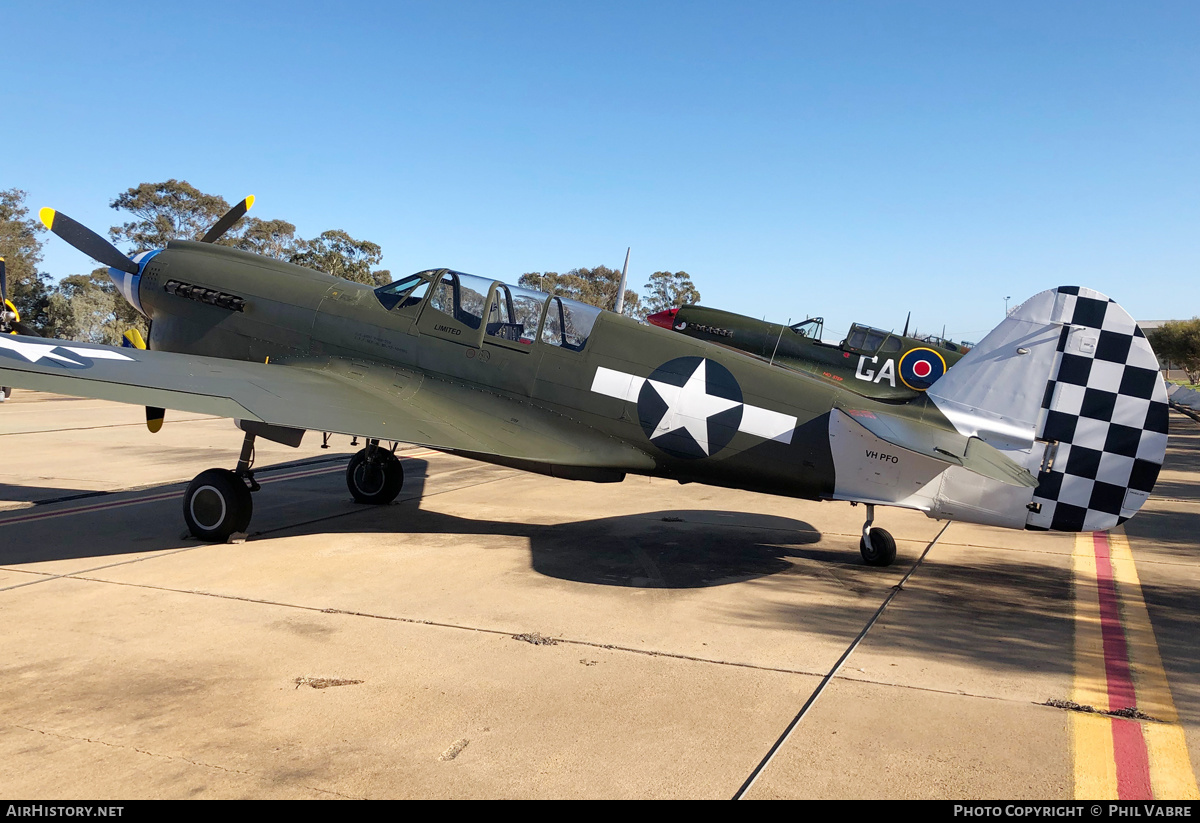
(1116, 653)
(1133, 760)
(1129, 744)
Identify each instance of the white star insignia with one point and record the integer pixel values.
(34, 352)
(689, 406)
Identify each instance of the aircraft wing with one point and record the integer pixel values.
(340, 396)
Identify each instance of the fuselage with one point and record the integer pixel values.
(750, 425)
(868, 361)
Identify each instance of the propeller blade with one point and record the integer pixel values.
(154, 415)
(3, 283)
(87, 241)
(225, 223)
(154, 418)
(21, 328)
(133, 339)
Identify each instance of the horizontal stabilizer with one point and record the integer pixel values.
(949, 447)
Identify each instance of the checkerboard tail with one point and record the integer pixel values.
(1070, 381)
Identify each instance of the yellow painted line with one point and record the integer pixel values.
(1170, 767)
(1091, 682)
(1095, 760)
(1171, 773)
(1092, 735)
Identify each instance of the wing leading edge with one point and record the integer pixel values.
(348, 398)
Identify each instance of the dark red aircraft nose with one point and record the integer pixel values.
(666, 319)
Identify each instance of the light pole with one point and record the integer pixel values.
(1006, 299)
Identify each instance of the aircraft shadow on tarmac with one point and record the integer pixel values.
(42, 494)
(662, 549)
(996, 611)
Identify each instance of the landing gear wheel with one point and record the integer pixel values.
(217, 504)
(881, 551)
(374, 476)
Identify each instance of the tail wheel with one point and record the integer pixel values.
(374, 476)
(881, 551)
(217, 504)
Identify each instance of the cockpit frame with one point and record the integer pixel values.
(506, 313)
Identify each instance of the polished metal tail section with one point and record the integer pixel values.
(1067, 380)
(1104, 418)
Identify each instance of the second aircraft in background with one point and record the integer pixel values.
(869, 361)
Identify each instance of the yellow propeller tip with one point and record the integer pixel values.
(249, 202)
(155, 425)
(47, 215)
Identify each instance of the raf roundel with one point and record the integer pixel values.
(919, 368)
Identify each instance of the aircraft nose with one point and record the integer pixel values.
(128, 284)
(665, 319)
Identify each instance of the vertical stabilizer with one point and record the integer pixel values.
(1070, 376)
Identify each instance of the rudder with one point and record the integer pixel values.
(1104, 416)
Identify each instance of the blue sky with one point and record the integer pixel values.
(856, 160)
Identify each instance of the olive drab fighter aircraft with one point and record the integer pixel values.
(868, 361)
(1057, 420)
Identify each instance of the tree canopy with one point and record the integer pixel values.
(337, 253)
(596, 287)
(173, 210)
(21, 247)
(88, 307)
(1177, 342)
(668, 291)
(177, 210)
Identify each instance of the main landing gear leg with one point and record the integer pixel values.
(878, 548)
(217, 502)
(374, 475)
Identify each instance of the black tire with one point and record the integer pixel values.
(882, 551)
(376, 480)
(217, 504)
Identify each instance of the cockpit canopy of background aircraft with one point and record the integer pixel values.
(812, 328)
(866, 338)
(512, 313)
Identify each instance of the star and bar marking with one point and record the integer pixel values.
(34, 352)
(690, 406)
